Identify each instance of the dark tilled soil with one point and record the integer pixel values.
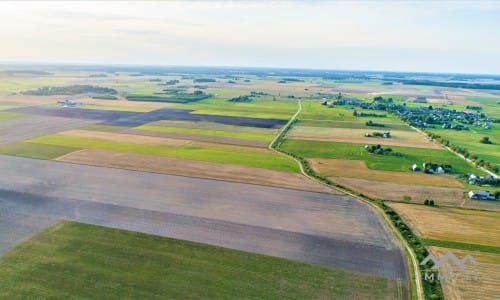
(333, 230)
(132, 119)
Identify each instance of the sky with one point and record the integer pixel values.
(424, 36)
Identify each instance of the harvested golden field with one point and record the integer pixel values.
(194, 168)
(128, 138)
(396, 191)
(487, 283)
(216, 126)
(358, 169)
(452, 224)
(350, 135)
(199, 137)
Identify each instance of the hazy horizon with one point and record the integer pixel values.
(444, 37)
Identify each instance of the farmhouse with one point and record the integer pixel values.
(481, 195)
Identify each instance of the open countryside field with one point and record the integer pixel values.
(226, 141)
(184, 167)
(269, 161)
(282, 110)
(219, 133)
(470, 140)
(5, 116)
(409, 156)
(451, 224)
(331, 230)
(217, 126)
(400, 192)
(348, 135)
(488, 276)
(95, 260)
(358, 169)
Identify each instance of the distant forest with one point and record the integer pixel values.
(70, 90)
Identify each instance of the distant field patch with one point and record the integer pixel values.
(222, 140)
(409, 156)
(348, 135)
(5, 116)
(118, 108)
(266, 161)
(358, 169)
(86, 261)
(461, 246)
(104, 128)
(185, 167)
(223, 133)
(469, 139)
(216, 126)
(121, 137)
(455, 224)
(265, 109)
(487, 270)
(34, 150)
(350, 124)
(398, 192)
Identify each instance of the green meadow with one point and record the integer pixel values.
(258, 160)
(78, 261)
(409, 156)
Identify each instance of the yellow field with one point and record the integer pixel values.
(488, 280)
(452, 224)
(358, 169)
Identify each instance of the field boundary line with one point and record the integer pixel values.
(403, 242)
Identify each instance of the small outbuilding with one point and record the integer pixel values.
(481, 195)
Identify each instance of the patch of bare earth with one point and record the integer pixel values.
(397, 192)
(199, 137)
(184, 167)
(479, 281)
(452, 224)
(358, 169)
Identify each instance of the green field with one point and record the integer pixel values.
(33, 150)
(461, 246)
(469, 139)
(266, 109)
(258, 160)
(223, 133)
(79, 261)
(410, 156)
(5, 116)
